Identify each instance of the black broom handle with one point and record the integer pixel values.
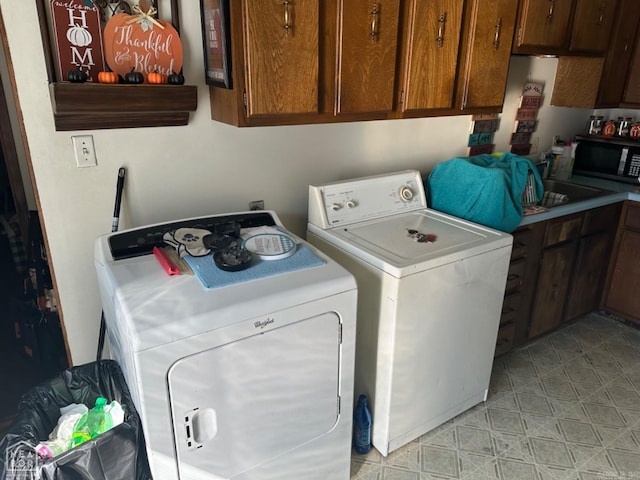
(114, 228)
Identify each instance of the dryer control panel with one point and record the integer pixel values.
(352, 201)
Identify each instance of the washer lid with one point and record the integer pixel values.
(412, 242)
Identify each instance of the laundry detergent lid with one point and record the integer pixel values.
(270, 246)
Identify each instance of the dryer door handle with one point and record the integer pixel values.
(201, 425)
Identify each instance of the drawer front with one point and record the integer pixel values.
(521, 243)
(504, 343)
(601, 219)
(632, 219)
(515, 276)
(510, 307)
(564, 230)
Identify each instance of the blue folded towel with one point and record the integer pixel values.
(483, 189)
(211, 276)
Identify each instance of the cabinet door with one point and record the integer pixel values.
(588, 276)
(543, 23)
(281, 56)
(592, 25)
(432, 39)
(553, 284)
(616, 67)
(487, 49)
(623, 295)
(632, 92)
(367, 52)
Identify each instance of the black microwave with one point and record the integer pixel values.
(608, 158)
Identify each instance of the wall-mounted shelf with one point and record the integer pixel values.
(91, 106)
(88, 106)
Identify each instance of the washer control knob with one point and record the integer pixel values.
(352, 204)
(336, 206)
(406, 194)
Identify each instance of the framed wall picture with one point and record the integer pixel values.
(217, 44)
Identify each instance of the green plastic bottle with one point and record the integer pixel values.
(92, 423)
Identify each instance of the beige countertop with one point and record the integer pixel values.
(619, 192)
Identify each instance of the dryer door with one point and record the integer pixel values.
(246, 402)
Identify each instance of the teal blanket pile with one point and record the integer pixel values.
(483, 189)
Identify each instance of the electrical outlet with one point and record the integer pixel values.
(84, 150)
(256, 205)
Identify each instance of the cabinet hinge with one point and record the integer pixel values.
(244, 99)
(519, 35)
(402, 97)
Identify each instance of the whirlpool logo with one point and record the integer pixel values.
(261, 324)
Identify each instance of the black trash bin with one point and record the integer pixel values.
(118, 454)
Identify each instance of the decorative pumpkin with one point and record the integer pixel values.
(156, 78)
(78, 36)
(175, 79)
(108, 77)
(137, 41)
(134, 77)
(77, 76)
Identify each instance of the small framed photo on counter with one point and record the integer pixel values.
(217, 44)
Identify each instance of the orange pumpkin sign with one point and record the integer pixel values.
(142, 43)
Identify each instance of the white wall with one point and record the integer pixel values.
(208, 167)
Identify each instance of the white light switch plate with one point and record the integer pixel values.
(84, 150)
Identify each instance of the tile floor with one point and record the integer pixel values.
(566, 406)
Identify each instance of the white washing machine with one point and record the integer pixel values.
(430, 291)
(249, 380)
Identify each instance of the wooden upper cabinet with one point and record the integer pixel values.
(430, 54)
(542, 24)
(619, 57)
(367, 49)
(486, 50)
(632, 91)
(281, 54)
(599, 81)
(321, 61)
(592, 25)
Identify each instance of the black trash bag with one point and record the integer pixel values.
(118, 454)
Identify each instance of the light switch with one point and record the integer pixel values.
(84, 150)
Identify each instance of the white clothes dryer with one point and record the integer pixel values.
(246, 380)
(430, 292)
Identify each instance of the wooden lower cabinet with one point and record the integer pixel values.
(520, 285)
(553, 284)
(589, 274)
(557, 272)
(623, 285)
(505, 339)
(623, 294)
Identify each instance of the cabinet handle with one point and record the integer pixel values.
(287, 18)
(441, 21)
(374, 22)
(552, 4)
(603, 6)
(496, 38)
